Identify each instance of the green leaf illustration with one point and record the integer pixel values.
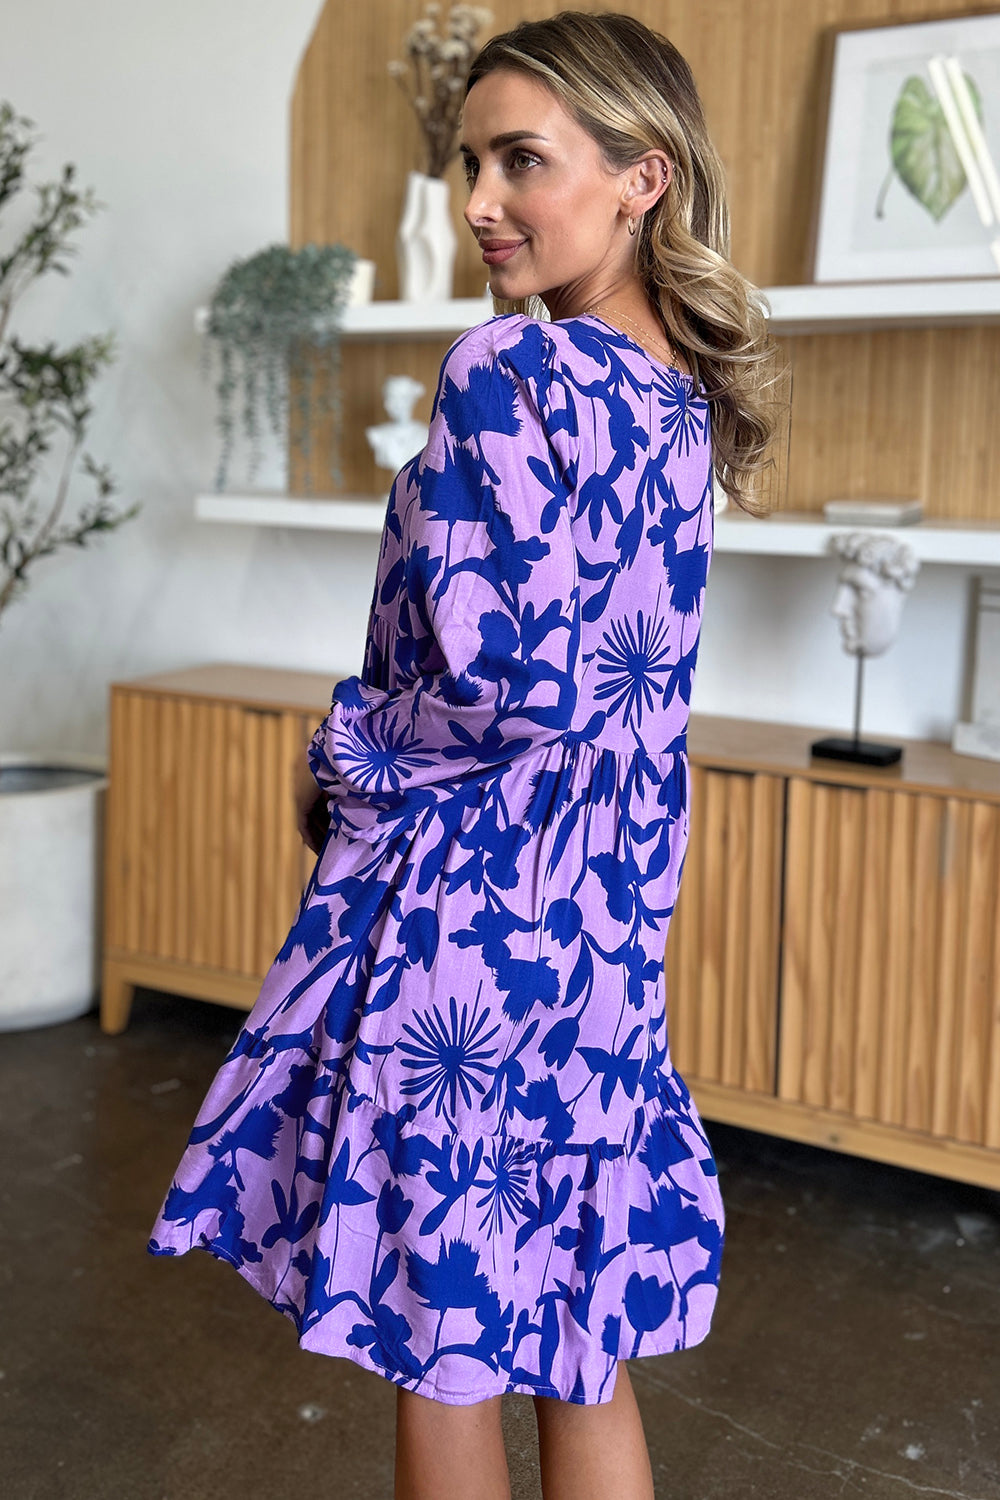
(922, 149)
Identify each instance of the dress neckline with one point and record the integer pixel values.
(674, 369)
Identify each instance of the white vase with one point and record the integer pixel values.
(51, 858)
(425, 241)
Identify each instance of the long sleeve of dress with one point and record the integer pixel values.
(484, 664)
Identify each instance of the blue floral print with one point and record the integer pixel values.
(448, 1142)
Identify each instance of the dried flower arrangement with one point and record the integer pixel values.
(440, 66)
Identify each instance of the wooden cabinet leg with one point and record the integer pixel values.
(116, 999)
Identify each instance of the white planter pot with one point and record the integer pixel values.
(51, 857)
(264, 472)
(425, 241)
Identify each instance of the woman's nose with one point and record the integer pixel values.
(481, 209)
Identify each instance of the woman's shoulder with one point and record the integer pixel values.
(508, 338)
(536, 349)
(510, 344)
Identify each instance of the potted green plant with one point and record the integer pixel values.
(51, 805)
(278, 314)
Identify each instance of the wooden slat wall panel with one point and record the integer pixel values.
(722, 945)
(890, 959)
(853, 430)
(884, 412)
(364, 370)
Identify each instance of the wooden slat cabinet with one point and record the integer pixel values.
(833, 961)
(723, 943)
(832, 964)
(204, 867)
(891, 968)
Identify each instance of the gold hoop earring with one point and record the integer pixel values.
(631, 225)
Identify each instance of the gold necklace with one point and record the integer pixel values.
(669, 349)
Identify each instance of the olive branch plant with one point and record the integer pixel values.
(44, 389)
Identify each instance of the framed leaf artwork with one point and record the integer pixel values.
(910, 177)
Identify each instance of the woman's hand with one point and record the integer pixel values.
(312, 816)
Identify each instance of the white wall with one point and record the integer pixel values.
(770, 649)
(178, 117)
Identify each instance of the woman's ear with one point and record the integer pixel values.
(650, 179)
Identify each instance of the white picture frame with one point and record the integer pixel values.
(910, 187)
(977, 732)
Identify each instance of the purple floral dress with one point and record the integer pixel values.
(449, 1142)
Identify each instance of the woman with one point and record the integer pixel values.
(449, 1142)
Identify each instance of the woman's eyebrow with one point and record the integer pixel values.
(507, 139)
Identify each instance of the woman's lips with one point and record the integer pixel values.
(495, 257)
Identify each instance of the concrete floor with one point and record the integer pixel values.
(855, 1349)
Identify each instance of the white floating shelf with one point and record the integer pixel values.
(388, 320)
(352, 513)
(401, 320)
(784, 534)
(792, 533)
(821, 307)
(841, 307)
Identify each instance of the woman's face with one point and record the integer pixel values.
(553, 193)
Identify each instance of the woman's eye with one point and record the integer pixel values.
(470, 165)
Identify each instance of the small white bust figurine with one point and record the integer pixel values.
(394, 443)
(877, 573)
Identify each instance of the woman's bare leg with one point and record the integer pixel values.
(594, 1452)
(449, 1452)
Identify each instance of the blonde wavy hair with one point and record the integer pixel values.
(632, 91)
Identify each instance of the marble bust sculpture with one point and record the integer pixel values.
(395, 442)
(877, 572)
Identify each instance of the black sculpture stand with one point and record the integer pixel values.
(862, 752)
